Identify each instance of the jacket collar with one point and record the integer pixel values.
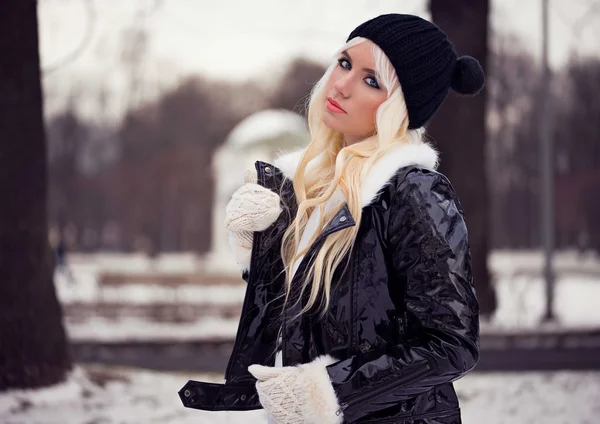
(419, 154)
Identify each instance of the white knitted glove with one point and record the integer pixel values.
(298, 395)
(251, 208)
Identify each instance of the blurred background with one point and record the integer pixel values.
(153, 109)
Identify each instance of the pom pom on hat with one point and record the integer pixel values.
(468, 77)
(425, 61)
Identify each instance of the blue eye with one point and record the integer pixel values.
(374, 82)
(342, 61)
(345, 63)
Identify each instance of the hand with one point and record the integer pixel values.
(251, 208)
(298, 395)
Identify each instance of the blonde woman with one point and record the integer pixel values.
(360, 305)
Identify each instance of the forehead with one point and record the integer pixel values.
(363, 53)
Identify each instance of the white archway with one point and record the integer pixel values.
(261, 136)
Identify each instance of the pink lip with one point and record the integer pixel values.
(334, 106)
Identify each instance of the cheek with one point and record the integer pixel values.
(371, 107)
(374, 106)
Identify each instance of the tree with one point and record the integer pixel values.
(576, 134)
(66, 136)
(512, 151)
(296, 84)
(163, 180)
(459, 131)
(33, 347)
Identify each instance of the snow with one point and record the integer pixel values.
(532, 398)
(514, 262)
(521, 304)
(110, 395)
(180, 263)
(136, 329)
(87, 292)
(520, 290)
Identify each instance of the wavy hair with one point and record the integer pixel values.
(339, 167)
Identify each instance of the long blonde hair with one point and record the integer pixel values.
(339, 167)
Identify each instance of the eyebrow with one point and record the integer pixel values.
(345, 53)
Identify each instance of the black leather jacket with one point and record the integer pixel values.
(403, 318)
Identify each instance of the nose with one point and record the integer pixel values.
(342, 85)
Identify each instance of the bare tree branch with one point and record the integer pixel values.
(85, 41)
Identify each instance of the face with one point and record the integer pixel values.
(353, 94)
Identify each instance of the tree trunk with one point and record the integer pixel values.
(33, 346)
(459, 131)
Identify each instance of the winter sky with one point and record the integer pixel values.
(240, 39)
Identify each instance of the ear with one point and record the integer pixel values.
(263, 373)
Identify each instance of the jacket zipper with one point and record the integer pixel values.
(384, 387)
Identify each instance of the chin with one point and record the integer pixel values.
(331, 123)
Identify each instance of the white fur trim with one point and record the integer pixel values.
(321, 401)
(240, 254)
(288, 162)
(380, 174)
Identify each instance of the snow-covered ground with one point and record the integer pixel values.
(520, 290)
(108, 395)
(95, 395)
(521, 303)
(137, 329)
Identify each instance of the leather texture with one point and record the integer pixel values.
(403, 318)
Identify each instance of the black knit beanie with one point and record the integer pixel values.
(425, 61)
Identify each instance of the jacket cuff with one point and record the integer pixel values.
(321, 401)
(241, 254)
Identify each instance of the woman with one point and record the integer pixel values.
(360, 304)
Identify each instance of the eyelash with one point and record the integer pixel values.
(343, 59)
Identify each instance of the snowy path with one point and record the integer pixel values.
(112, 396)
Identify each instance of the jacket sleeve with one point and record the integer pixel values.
(429, 252)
